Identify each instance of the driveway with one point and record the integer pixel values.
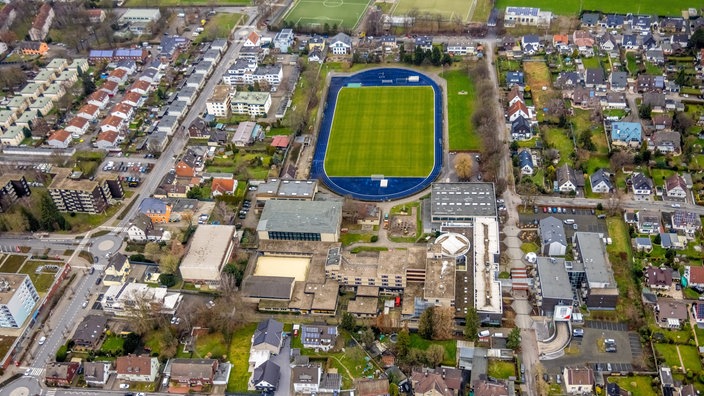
(283, 360)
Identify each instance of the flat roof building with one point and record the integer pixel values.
(18, 296)
(82, 195)
(552, 284)
(462, 202)
(210, 249)
(590, 250)
(300, 221)
(297, 190)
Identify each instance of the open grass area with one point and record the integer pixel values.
(638, 385)
(629, 307)
(112, 345)
(460, 106)
(668, 352)
(557, 138)
(482, 9)
(220, 26)
(690, 357)
(501, 369)
(537, 77)
(450, 347)
(12, 263)
(239, 357)
(184, 3)
(447, 8)
(527, 247)
(573, 7)
(340, 13)
(211, 346)
(382, 131)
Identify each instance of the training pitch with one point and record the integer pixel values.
(382, 131)
(448, 9)
(316, 13)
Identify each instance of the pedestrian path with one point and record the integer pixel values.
(34, 371)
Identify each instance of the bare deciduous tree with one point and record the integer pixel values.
(463, 166)
(443, 323)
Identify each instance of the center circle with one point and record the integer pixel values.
(333, 3)
(106, 245)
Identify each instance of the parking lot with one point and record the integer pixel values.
(584, 221)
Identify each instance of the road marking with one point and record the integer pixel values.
(51, 392)
(34, 371)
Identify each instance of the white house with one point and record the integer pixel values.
(578, 380)
(340, 44)
(78, 126)
(59, 139)
(675, 187)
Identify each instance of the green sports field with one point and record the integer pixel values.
(447, 8)
(316, 13)
(382, 131)
(572, 7)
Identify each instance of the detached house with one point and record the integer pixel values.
(658, 277)
(566, 80)
(78, 126)
(525, 162)
(89, 333)
(318, 337)
(530, 43)
(191, 375)
(600, 182)
(340, 44)
(664, 141)
(266, 377)
(134, 368)
(594, 78)
(689, 222)
(584, 42)
(641, 184)
(117, 270)
(675, 187)
(268, 336)
(521, 129)
(626, 134)
(61, 373)
(518, 109)
(96, 373)
(568, 179)
(142, 229)
(552, 237)
(648, 222)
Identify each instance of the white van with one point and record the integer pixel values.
(569, 221)
(42, 340)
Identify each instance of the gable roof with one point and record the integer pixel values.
(696, 275)
(143, 222)
(223, 185)
(267, 372)
(253, 37)
(626, 132)
(675, 181)
(108, 136)
(641, 181)
(132, 364)
(193, 368)
(432, 383)
(341, 37)
(152, 205)
(658, 276)
(118, 261)
(566, 173)
(552, 230)
(525, 159)
(90, 329)
(268, 332)
(61, 135)
(516, 107)
(601, 176)
(594, 76)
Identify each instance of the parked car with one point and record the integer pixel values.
(578, 333)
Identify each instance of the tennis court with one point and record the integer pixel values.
(343, 14)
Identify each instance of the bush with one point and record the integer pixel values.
(374, 238)
(168, 280)
(62, 353)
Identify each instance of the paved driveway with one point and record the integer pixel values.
(283, 360)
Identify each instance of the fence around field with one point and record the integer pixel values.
(372, 188)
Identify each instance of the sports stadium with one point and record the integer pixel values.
(381, 134)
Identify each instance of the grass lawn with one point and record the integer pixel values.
(350, 238)
(315, 12)
(558, 139)
(446, 8)
(42, 281)
(573, 7)
(112, 345)
(13, 263)
(653, 69)
(450, 347)
(210, 345)
(690, 357)
(638, 385)
(538, 76)
(482, 9)
(527, 247)
(219, 26)
(501, 369)
(184, 3)
(659, 175)
(382, 131)
(239, 353)
(591, 63)
(629, 306)
(460, 106)
(669, 353)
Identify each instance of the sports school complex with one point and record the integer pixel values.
(381, 134)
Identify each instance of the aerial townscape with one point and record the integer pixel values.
(351, 197)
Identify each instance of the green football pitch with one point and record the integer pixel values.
(316, 13)
(382, 131)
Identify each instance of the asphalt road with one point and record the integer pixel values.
(180, 138)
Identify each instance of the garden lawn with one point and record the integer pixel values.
(573, 7)
(239, 357)
(13, 263)
(501, 369)
(382, 131)
(659, 175)
(450, 347)
(211, 346)
(591, 63)
(112, 345)
(558, 139)
(669, 353)
(537, 77)
(460, 107)
(637, 385)
(690, 357)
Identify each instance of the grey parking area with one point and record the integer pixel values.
(583, 219)
(636, 346)
(613, 326)
(615, 367)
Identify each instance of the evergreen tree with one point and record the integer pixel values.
(348, 322)
(471, 327)
(425, 325)
(403, 344)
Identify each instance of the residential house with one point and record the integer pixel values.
(96, 373)
(518, 109)
(268, 336)
(553, 241)
(306, 378)
(156, 209)
(128, 65)
(7, 16)
(112, 123)
(521, 129)
(642, 23)
(525, 162)
(589, 19)
(584, 42)
(107, 140)
(698, 313)
(648, 222)
(67, 77)
(618, 81)
(641, 184)
(490, 387)
(191, 375)
(55, 91)
(454, 48)
(643, 244)
(99, 99)
(189, 164)
(689, 222)
(662, 121)
(649, 83)
(133, 368)
(613, 21)
(670, 240)
(530, 43)
(514, 78)
(132, 98)
(109, 87)
(424, 42)
(89, 112)
(222, 186)
(42, 106)
(60, 139)
(42, 22)
(526, 16)
(675, 187)
(658, 277)
(614, 100)
(266, 377)
(318, 337)
(600, 182)
(13, 136)
(608, 43)
(340, 44)
(253, 40)
(516, 95)
(61, 373)
(694, 275)
(568, 179)
(96, 15)
(671, 313)
(32, 91)
(578, 380)
(648, 43)
(117, 270)
(567, 80)
(630, 42)
(629, 134)
(430, 384)
(141, 229)
(89, 333)
(594, 78)
(560, 42)
(664, 141)
(284, 40)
